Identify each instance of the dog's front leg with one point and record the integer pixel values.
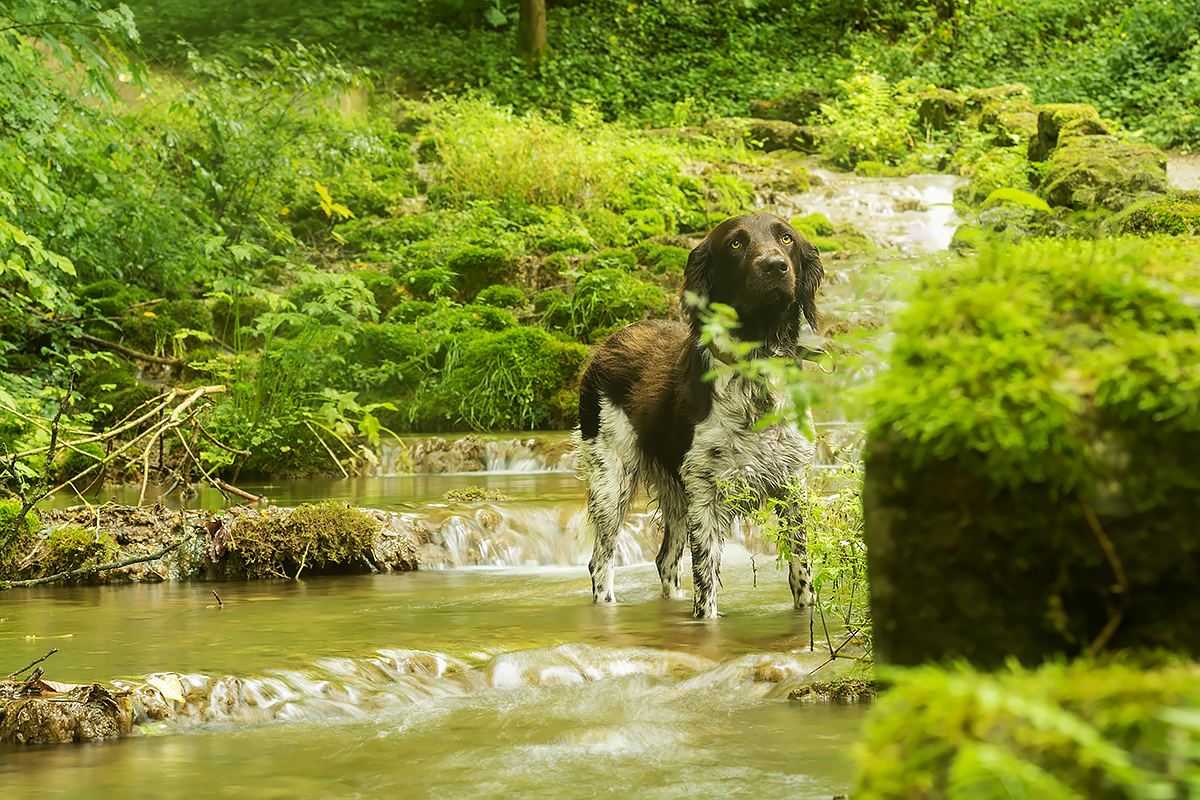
(706, 529)
(791, 523)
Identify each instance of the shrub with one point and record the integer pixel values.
(870, 121)
(518, 379)
(601, 302)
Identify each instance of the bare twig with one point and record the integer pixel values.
(12, 675)
(104, 344)
(1115, 616)
(219, 603)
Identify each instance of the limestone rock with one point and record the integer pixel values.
(1051, 119)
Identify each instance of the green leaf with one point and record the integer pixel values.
(1011, 195)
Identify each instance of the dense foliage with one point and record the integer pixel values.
(669, 61)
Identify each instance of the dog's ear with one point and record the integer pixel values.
(698, 280)
(806, 255)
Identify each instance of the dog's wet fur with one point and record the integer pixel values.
(648, 416)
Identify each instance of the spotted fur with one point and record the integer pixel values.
(647, 415)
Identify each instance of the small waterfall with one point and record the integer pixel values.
(472, 453)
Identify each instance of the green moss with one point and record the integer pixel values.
(474, 494)
(877, 169)
(501, 297)
(611, 259)
(1175, 215)
(15, 539)
(829, 237)
(383, 288)
(69, 548)
(1023, 355)
(478, 267)
(324, 537)
(662, 258)
(114, 394)
(792, 181)
(999, 167)
(381, 235)
(646, 223)
(410, 310)
(813, 225)
(1116, 730)
(110, 298)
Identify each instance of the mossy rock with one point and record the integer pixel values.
(110, 298)
(999, 168)
(324, 538)
(769, 135)
(1051, 120)
(1088, 172)
(1175, 215)
(645, 223)
(797, 106)
(939, 109)
(69, 548)
(661, 258)
(603, 301)
(877, 169)
(827, 237)
(375, 235)
(796, 180)
(1010, 123)
(1033, 460)
(384, 289)
(114, 394)
(1097, 730)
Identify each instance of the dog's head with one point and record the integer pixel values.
(763, 268)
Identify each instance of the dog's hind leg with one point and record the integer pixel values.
(610, 491)
(673, 504)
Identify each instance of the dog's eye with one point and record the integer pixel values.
(786, 238)
(735, 244)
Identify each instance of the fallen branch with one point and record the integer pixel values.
(12, 675)
(104, 344)
(226, 487)
(86, 569)
(1114, 616)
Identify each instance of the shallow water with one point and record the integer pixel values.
(323, 688)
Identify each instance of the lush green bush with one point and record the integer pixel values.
(313, 537)
(601, 302)
(518, 379)
(1123, 729)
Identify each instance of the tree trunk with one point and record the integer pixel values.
(531, 30)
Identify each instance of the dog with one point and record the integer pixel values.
(647, 413)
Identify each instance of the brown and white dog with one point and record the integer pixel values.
(647, 414)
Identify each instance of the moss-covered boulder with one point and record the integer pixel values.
(478, 267)
(766, 134)
(1010, 122)
(939, 108)
(1051, 119)
(1177, 214)
(1118, 730)
(1100, 171)
(797, 106)
(1033, 466)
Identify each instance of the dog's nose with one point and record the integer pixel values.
(775, 264)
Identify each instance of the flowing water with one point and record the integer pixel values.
(459, 682)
